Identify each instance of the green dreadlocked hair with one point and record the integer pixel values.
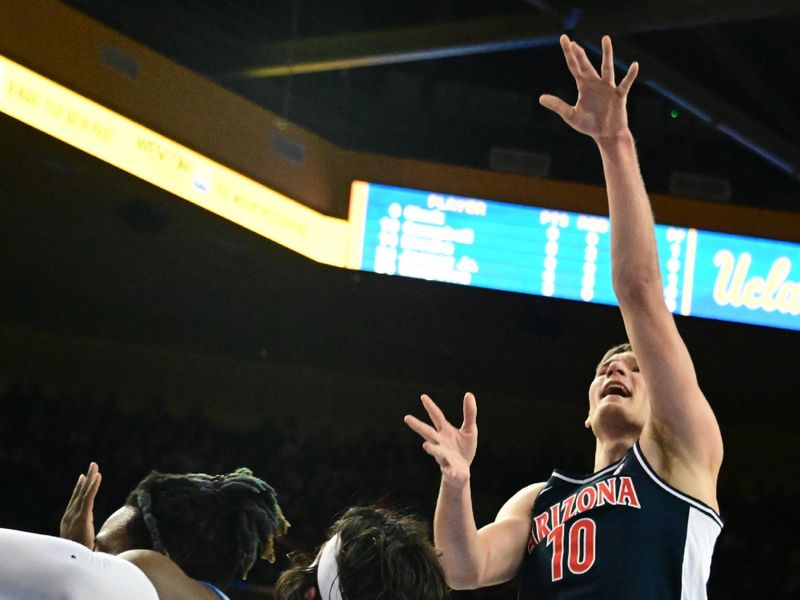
(214, 527)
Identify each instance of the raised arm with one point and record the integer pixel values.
(471, 558)
(682, 438)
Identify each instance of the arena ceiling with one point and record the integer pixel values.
(451, 80)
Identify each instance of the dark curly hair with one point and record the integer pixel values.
(383, 556)
(214, 527)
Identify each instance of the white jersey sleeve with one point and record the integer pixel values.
(42, 567)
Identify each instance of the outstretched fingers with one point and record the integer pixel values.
(91, 493)
(626, 83)
(557, 105)
(423, 429)
(86, 489)
(470, 413)
(77, 491)
(453, 449)
(607, 66)
(584, 64)
(434, 412)
(569, 56)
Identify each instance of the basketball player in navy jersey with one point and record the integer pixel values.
(644, 524)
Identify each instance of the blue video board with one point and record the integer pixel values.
(545, 252)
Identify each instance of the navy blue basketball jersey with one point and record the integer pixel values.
(620, 533)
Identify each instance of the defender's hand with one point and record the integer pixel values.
(600, 111)
(452, 448)
(77, 524)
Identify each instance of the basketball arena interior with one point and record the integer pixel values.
(250, 233)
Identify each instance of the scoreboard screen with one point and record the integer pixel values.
(469, 241)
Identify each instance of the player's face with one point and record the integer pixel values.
(113, 535)
(618, 390)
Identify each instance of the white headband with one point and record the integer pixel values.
(328, 570)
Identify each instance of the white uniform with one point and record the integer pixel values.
(42, 567)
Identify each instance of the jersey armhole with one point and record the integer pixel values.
(698, 504)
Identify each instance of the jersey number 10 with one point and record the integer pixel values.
(580, 549)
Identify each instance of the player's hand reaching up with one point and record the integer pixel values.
(600, 111)
(452, 448)
(77, 524)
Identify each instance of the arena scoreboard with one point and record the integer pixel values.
(530, 250)
(424, 234)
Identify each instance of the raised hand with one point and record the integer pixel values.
(452, 448)
(600, 110)
(77, 524)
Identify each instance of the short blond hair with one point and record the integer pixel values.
(618, 349)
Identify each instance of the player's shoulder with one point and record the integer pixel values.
(520, 504)
(170, 581)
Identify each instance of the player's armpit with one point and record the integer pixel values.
(682, 419)
(682, 438)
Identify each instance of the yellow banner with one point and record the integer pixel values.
(88, 126)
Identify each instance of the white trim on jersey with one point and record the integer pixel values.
(701, 535)
(591, 477)
(705, 509)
